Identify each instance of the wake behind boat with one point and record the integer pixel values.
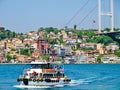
(43, 74)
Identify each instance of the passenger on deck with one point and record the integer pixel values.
(34, 73)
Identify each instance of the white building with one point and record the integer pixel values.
(110, 59)
(112, 47)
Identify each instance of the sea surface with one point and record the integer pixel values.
(84, 77)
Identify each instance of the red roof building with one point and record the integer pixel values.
(42, 45)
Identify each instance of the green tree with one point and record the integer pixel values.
(48, 29)
(14, 57)
(40, 29)
(89, 33)
(107, 29)
(51, 40)
(66, 27)
(78, 45)
(78, 32)
(117, 53)
(99, 58)
(85, 48)
(8, 57)
(103, 39)
(27, 45)
(61, 39)
(116, 29)
(75, 26)
(14, 34)
(45, 56)
(25, 51)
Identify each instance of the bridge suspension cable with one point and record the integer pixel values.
(87, 15)
(77, 12)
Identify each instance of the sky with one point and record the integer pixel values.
(29, 15)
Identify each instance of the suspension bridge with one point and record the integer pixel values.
(110, 14)
(101, 13)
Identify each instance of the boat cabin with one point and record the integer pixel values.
(44, 70)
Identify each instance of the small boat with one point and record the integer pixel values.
(43, 74)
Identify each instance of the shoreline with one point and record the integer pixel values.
(62, 63)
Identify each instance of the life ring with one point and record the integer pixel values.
(41, 80)
(38, 80)
(30, 79)
(34, 80)
(64, 80)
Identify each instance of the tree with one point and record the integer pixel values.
(61, 39)
(66, 27)
(48, 29)
(79, 33)
(87, 48)
(75, 26)
(116, 29)
(27, 45)
(89, 33)
(78, 45)
(45, 56)
(103, 39)
(51, 40)
(8, 57)
(117, 53)
(40, 29)
(107, 29)
(14, 57)
(99, 58)
(25, 51)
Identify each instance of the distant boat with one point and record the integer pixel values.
(43, 74)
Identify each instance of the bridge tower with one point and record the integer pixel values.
(110, 14)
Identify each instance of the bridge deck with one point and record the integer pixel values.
(114, 32)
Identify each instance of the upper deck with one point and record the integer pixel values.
(38, 62)
(46, 67)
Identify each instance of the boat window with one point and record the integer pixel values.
(35, 66)
(59, 75)
(47, 66)
(32, 66)
(47, 75)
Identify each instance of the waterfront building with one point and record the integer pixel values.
(42, 45)
(69, 60)
(90, 45)
(27, 41)
(62, 54)
(23, 59)
(81, 59)
(91, 56)
(1, 59)
(19, 46)
(33, 46)
(111, 58)
(84, 38)
(53, 55)
(64, 34)
(16, 41)
(52, 35)
(74, 36)
(35, 54)
(112, 47)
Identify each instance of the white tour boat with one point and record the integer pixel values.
(43, 74)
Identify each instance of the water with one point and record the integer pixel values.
(84, 77)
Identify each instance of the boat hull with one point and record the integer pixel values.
(43, 84)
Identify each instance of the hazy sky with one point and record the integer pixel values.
(29, 15)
